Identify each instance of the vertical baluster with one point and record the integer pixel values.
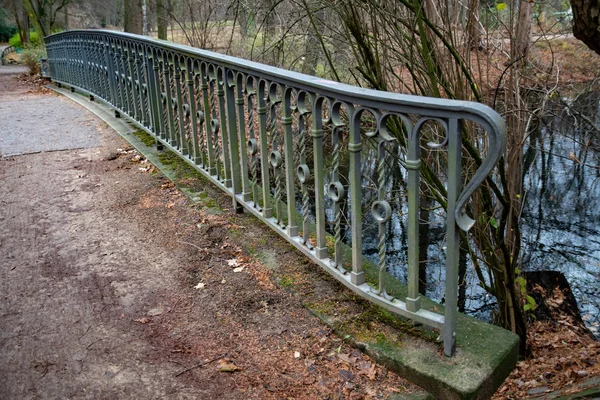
(147, 73)
(453, 236)
(241, 125)
(264, 155)
(209, 120)
(124, 81)
(153, 92)
(137, 84)
(275, 155)
(195, 156)
(354, 148)
(162, 84)
(303, 171)
(413, 164)
(382, 212)
(131, 58)
(119, 79)
(168, 72)
(110, 54)
(215, 127)
(288, 148)
(336, 189)
(317, 137)
(180, 102)
(200, 118)
(233, 138)
(252, 143)
(220, 82)
(158, 91)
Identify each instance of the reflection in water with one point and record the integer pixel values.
(561, 216)
(561, 219)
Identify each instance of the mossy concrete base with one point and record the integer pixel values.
(485, 356)
(485, 353)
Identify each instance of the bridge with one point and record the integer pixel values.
(322, 164)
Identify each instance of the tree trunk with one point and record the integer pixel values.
(520, 47)
(133, 16)
(161, 19)
(473, 24)
(242, 19)
(586, 22)
(311, 54)
(25, 26)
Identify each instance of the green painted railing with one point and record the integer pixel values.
(304, 155)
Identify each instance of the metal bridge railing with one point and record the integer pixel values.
(5, 53)
(324, 164)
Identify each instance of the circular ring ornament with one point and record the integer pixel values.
(382, 211)
(303, 173)
(275, 159)
(252, 147)
(336, 191)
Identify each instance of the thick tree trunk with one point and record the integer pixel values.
(586, 22)
(133, 16)
(25, 28)
(522, 40)
(161, 19)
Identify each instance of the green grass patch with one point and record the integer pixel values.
(145, 138)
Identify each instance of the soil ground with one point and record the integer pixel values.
(115, 285)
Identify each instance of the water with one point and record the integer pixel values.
(560, 220)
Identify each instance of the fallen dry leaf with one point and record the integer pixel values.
(233, 262)
(225, 366)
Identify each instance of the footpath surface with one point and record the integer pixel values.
(115, 285)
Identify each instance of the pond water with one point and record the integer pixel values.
(560, 220)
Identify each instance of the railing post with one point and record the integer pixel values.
(288, 148)
(154, 95)
(317, 135)
(232, 134)
(413, 165)
(183, 148)
(264, 149)
(357, 276)
(171, 134)
(110, 54)
(243, 147)
(208, 119)
(220, 90)
(193, 110)
(453, 236)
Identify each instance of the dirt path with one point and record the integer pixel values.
(99, 260)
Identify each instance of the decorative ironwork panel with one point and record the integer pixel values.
(324, 164)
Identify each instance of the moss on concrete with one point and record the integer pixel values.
(145, 138)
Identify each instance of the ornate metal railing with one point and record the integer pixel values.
(5, 53)
(317, 161)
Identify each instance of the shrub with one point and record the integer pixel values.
(15, 40)
(31, 58)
